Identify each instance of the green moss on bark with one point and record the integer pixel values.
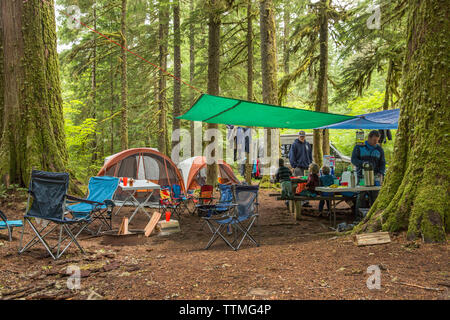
(415, 196)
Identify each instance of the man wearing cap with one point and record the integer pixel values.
(300, 155)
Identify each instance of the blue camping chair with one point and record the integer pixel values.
(9, 224)
(224, 204)
(242, 217)
(47, 212)
(100, 205)
(185, 201)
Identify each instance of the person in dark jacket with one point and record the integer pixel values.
(300, 157)
(372, 153)
(300, 154)
(326, 180)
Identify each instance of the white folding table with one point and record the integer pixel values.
(131, 191)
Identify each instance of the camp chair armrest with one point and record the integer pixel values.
(69, 197)
(4, 218)
(217, 217)
(110, 203)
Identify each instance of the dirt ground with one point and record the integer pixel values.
(295, 260)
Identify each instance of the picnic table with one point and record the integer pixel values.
(131, 192)
(295, 204)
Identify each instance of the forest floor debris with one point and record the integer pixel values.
(299, 262)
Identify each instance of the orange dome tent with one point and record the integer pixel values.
(194, 172)
(143, 164)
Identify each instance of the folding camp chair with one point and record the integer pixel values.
(9, 224)
(224, 204)
(48, 190)
(186, 201)
(167, 202)
(101, 191)
(206, 196)
(242, 217)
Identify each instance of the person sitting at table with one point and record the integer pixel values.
(312, 182)
(326, 180)
(283, 175)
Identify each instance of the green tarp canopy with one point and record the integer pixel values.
(215, 109)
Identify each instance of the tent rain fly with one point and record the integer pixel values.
(215, 109)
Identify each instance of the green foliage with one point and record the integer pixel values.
(79, 139)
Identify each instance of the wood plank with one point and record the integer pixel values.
(372, 238)
(123, 229)
(152, 224)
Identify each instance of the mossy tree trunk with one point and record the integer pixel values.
(268, 64)
(32, 134)
(415, 196)
(1, 72)
(213, 75)
(124, 93)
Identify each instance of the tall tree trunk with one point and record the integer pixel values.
(268, 64)
(248, 164)
(321, 141)
(387, 92)
(286, 32)
(192, 72)
(177, 66)
(214, 23)
(113, 100)
(94, 85)
(124, 120)
(416, 193)
(33, 125)
(163, 34)
(1, 74)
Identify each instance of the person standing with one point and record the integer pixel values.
(300, 157)
(370, 152)
(300, 154)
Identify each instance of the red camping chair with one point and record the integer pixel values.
(206, 196)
